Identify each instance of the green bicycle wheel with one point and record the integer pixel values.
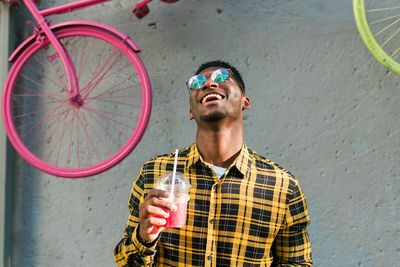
(378, 22)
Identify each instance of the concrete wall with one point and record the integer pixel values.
(322, 107)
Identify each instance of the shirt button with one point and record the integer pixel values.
(212, 221)
(209, 257)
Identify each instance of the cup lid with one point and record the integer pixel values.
(181, 185)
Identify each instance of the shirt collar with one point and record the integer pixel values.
(243, 162)
(193, 155)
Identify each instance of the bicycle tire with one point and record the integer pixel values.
(71, 141)
(377, 23)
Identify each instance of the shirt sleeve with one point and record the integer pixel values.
(129, 251)
(292, 245)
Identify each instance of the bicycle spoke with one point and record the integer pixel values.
(119, 103)
(105, 130)
(100, 96)
(111, 91)
(118, 71)
(109, 120)
(77, 139)
(123, 96)
(119, 96)
(37, 111)
(61, 67)
(111, 113)
(383, 20)
(88, 138)
(74, 48)
(82, 56)
(387, 27)
(39, 85)
(41, 74)
(88, 56)
(395, 52)
(61, 81)
(38, 94)
(111, 74)
(37, 123)
(100, 59)
(35, 95)
(381, 9)
(117, 58)
(70, 140)
(390, 38)
(40, 135)
(48, 138)
(83, 126)
(58, 143)
(100, 70)
(37, 104)
(95, 133)
(58, 67)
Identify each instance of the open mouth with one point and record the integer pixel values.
(211, 97)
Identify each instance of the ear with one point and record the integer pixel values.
(190, 115)
(246, 103)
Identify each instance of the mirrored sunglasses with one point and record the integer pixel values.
(218, 76)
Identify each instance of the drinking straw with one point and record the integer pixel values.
(174, 174)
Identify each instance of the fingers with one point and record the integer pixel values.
(158, 198)
(153, 221)
(152, 211)
(157, 193)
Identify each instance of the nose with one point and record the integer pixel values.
(209, 84)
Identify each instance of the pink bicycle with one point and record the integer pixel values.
(77, 98)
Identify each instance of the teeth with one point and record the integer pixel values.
(211, 95)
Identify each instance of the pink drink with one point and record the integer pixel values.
(177, 218)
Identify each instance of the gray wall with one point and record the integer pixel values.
(322, 107)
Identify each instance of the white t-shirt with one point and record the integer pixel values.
(219, 171)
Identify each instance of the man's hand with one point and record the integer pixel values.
(152, 216)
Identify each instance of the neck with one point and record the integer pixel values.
(220, 146)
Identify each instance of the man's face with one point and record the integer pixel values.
(216, 101)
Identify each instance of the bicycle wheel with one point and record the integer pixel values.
(378, 22)
(68, 140)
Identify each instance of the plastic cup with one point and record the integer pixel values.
(179, 197)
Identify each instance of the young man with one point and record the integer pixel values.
(244, 210)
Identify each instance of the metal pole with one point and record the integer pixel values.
(4, 51)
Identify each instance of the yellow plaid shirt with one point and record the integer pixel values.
(254, 215)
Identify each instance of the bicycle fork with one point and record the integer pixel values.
(73, 86)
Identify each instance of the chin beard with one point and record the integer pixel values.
(216, 116)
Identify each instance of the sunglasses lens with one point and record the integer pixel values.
(220, 75)
(197, 81)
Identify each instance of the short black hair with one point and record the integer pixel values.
(226, 65)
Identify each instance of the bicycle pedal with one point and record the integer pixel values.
(141, 11)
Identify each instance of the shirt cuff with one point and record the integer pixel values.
(142, 245)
